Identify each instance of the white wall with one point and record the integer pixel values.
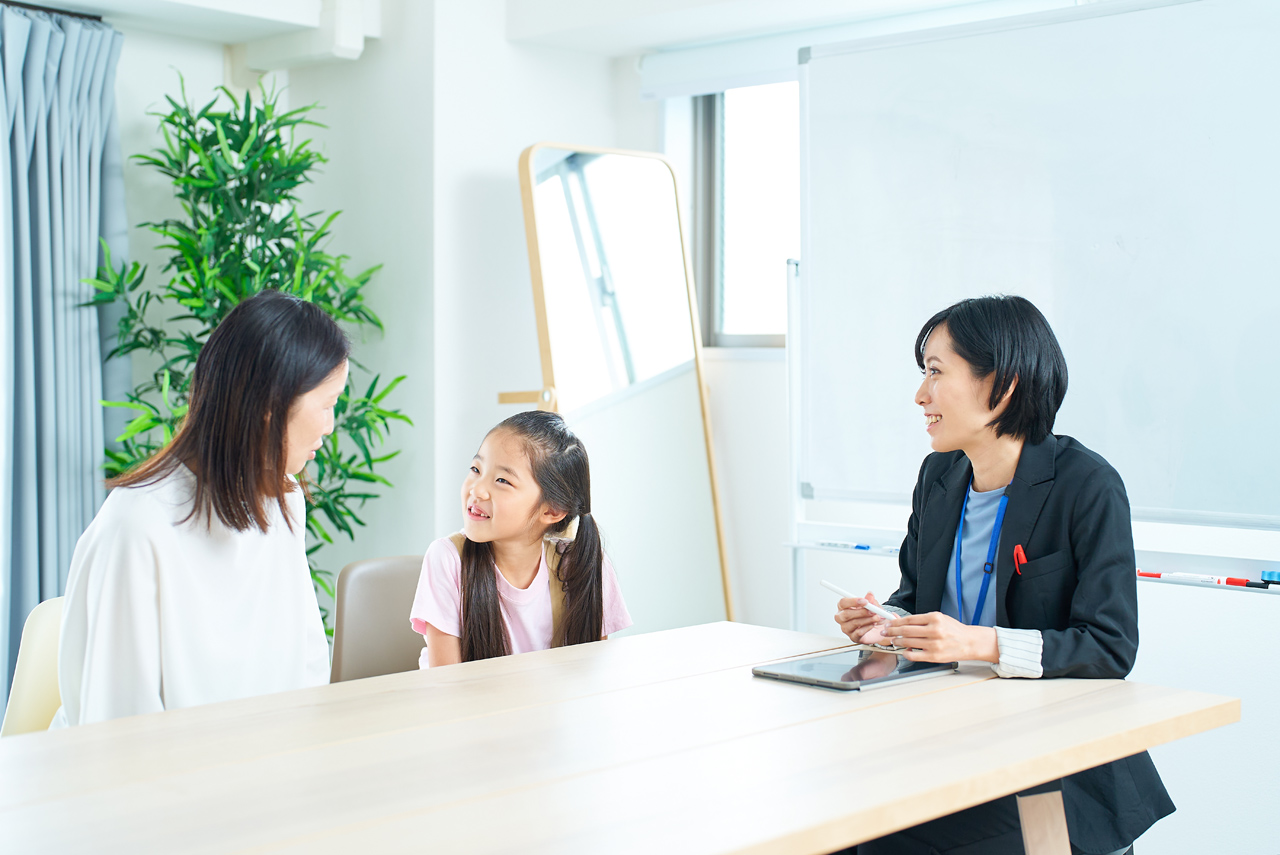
(492, 100)
(374, 144)
(638, 125)
(748, 397)
(379, 140)
(644, 439)
(149, 69)
(424, 133)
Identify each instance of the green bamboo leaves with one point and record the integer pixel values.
(235, 167)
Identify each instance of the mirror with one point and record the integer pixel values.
(618, 335)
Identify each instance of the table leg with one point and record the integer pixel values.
(1044, 824)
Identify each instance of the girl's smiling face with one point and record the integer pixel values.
(954, 401)
(500, 498)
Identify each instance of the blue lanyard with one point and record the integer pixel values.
(988, 569)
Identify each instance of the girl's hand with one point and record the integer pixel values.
(859, 624)
(934, 637)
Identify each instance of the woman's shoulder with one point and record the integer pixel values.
(134, 526)
(937, 464)
(144, 506)
(1078, 464)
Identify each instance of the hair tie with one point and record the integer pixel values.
(564, 539)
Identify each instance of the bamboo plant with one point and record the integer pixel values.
(236, 166)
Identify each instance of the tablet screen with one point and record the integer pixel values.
(852, 669)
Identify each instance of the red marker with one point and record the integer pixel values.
(1019, 558)
(1206, 580)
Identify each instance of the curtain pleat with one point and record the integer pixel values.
(8, 349)
(59, 101)
(25, 537)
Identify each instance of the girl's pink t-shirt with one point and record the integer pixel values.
(526, 612)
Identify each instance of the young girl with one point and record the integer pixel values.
(527, 571)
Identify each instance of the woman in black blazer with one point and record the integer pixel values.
(1041, 581)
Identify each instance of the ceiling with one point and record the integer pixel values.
(620, 27)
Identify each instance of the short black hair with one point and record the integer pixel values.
(1008, 337)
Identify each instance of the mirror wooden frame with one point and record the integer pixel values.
(545, 398)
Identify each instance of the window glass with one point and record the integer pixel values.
(760, 211)
(613, 273)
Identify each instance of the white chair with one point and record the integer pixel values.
(371, 632)
(34, 696)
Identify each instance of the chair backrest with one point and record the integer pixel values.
(34, 696)
(371, 632)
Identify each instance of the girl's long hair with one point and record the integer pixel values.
(266, 352)
(560, 468)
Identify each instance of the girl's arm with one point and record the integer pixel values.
(437, 604)
(442, 648)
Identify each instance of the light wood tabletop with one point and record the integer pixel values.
(650, 743)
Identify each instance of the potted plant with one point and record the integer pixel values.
(236, 166)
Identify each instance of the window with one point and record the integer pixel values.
(745, 172)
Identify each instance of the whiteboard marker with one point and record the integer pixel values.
(861, 547)
(1207, 580)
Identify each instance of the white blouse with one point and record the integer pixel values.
(161, 614)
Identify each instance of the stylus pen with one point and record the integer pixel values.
(870, 606)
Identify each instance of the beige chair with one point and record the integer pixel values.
(371, 632)
(34, 696)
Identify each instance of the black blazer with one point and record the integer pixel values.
(1069, 512)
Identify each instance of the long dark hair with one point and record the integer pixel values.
(559, 463)
(267, 351)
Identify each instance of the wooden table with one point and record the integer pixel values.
(660, 743)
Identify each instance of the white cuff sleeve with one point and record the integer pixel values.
(1020, 652)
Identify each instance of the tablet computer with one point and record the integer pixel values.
(853, 669)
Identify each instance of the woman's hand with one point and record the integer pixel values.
(934, 637)
(859, 624)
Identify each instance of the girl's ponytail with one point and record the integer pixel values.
(484, 632)
(581, 571)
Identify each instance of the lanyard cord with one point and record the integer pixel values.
(988, 569)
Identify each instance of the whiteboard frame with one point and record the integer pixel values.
(981, 28)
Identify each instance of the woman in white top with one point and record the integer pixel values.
(191, 584)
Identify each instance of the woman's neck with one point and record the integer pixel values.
(518, 560)
(994, 462)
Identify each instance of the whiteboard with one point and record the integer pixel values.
(1122, 171)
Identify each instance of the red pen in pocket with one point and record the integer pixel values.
(1019, 558)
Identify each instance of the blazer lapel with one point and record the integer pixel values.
(938, 526)
(1031, 484)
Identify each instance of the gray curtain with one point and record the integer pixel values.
(61, 190)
